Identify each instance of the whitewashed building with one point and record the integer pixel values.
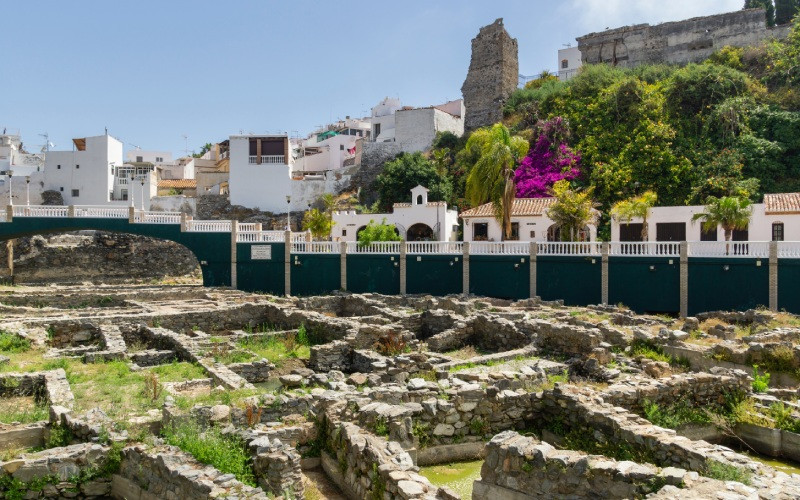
(414, 129)
(529, 222)
(260, 172)
(420, 220)
(569, 62)
(84, 175)
(776, 219)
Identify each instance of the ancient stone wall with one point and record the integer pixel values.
(680, 42)
(493, 75)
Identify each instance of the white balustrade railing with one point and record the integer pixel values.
(40, 211)
(645, 248)
(144, 217)
(101, 212)
(504, 247)
(260, 237)
(435, 247)
(274, 159)
(569, 248)
(247, 226)
(300, 236)
(758, 249)
(315, 247)
(383, 247)
(789, 249)
(208, 226)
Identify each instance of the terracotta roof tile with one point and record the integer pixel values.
(782, 203)
(178, 183)
(522, 207)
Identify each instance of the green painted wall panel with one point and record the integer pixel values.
(265, 276)
(789, 285)
(500, 276)
(213, 250)
(434, 274)
(315, 274)
(373, 273)
(575, 280)
(645, 284)
(742, 286)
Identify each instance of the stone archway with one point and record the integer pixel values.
(419, 232)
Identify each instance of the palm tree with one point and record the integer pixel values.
(730, 212)
(491, 179)
(572, 210)
(635, 207)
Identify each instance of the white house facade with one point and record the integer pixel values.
(419, 220)
(776, 219)
(529, 222)
(569, 62)
(85, 175)
(260, 172)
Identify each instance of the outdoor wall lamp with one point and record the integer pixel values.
(726, 267)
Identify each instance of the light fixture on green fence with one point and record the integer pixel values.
(726, 267)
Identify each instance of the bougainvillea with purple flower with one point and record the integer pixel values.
(548, 161)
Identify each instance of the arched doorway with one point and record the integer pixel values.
(554, 234)
(419, 232)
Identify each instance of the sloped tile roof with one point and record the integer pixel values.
(522, 207)
(782, 203)
(178, 183)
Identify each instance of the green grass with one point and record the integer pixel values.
(178, 371)
(225, 452)
(10, 343)
(655, 352)
(673, 416)
(726, 472)
(276, 348)
(35, 413)
(760, 382)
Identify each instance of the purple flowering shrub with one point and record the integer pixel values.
(547, 162)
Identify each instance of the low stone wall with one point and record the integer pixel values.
(22, 436)
(73, 333)
(519, 466)
(254, 372)
(277, 467)
(65, 472)
(50, 386)
(167, 472)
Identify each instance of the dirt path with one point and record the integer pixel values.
(319, 487)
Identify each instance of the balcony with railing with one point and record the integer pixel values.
(268, 159)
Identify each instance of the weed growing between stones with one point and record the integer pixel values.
(59, 436)
(652, 351)
(13, 343)
(275, 348)
(381, 426)
(779, 359)
(760, 382)
(726, 472)
(422, 431)
(675, 415)
(152, 387)
(225, 452)
(391, 344)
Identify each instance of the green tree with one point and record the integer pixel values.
(785, 10)
(572, 210)
(318, 222)
(767, 5)
(407, 171)
(729, 212)
(205, 149)
(635, 207)
(378, 232)
(491, 179)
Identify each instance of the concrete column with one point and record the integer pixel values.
(403, 268)
(258, 227)
(465, 270)
(71, 211)
(234, 257)
(684, 279)
(604, 273)
(287, 263)
(534, 251)
(183, 222)
(343, 265)
(308, 236)
(773, 275)
(9, 213)
(131, 214)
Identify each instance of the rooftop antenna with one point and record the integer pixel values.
(134, 146)
(47, 143)
(185, 144)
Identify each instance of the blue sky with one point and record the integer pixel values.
(153, 71)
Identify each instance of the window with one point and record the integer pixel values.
(344, 232)
(419, 199)
(77, 166)
(533, 234)
(777, 231)
(514, 232)
(710, 235)
(671, 231)
(139, 159)
(377, 130)
(61, 189)
(159, 159)
(124, 194)
(58, 167)
(341, 147)
(564, 64)
(76, 193)
(631, 231)
(480, 231)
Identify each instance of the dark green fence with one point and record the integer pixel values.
(645, 284)
(575, 280)
(789, 285)
(315, 274)
(373, 273)
(260, 275)
(501, 276)
(727, 284)
(434, 274)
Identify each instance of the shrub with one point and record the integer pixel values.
(225, 452)
(60, 435)
(726, 472)
(381, 426)
(13, 343)
(152, 387)
(779, 359)
(391, 344)
(673, 416)
(760, 382)
(422, 431)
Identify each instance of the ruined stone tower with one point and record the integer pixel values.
(492, 77)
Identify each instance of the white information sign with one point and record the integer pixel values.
(261, 252)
